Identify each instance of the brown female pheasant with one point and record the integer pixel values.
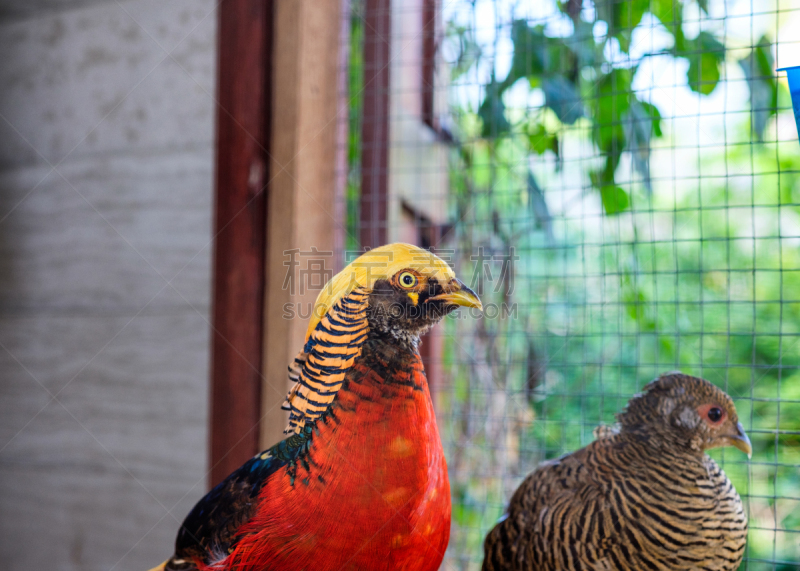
(643, 497)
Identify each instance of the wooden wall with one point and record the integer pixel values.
(106, 165)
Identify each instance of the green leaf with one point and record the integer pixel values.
(615, 199)
(758, 69)
(537, 55)
(670, 14)
(791, 521)
(612, 101)
(611, 104)
(655, 117)
(622, 18)
(706, 57)
(492, 113)
(562, 97)
(641, 122)
(636, 305)
(540, 140)
(604, 177)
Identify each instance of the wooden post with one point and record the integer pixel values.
(302, 190)
(239, 230)
(429, 48)
(375, 123)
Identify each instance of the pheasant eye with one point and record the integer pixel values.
(408, 280)
(714, 414)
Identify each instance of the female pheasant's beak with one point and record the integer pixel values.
(456, 293)
(741, 441)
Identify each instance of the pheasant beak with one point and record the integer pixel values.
(456, 293)
(741, 441)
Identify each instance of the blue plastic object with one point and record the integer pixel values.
(793, 75)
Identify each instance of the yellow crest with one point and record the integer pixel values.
(374, 265)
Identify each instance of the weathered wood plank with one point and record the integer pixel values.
(133, 383)
(108, 235)
(64, 526)
(31, 8)
(101, 80)
(85, 253)
(86, 477)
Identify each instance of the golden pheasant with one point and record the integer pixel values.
(643, 497)
(361, 482)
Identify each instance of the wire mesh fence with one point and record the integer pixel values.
(622, 188)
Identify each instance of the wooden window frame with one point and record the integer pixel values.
(243, 134)
(374, 201)
(430, 46)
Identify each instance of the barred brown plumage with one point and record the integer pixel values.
(646, 497)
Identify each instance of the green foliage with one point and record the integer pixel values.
(541, 140)
(493, 113)
(355, 108)
(612, 102)
(757, 67)
(667, 278)
(615, 199)
(579, 81)
(538, 56)
(562, 97)
(655, 117)
(622, 18)
(706, 57)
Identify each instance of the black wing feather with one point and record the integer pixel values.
(210, 529)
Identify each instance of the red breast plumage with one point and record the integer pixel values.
(377, 477)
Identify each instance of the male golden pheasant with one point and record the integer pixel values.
(361, 482)
(645, 497)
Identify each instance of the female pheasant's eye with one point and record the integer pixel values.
(714, 414)
(408, 280)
